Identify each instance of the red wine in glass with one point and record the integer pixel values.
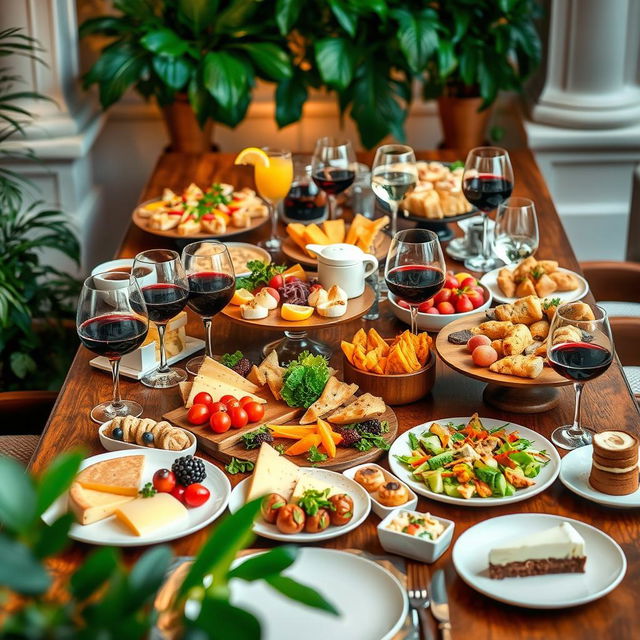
(415, 283)
(580, 361)
(164, 301)
(303, 203)
(333, 180)
(486, 191)
(210, 292)
(112, 335)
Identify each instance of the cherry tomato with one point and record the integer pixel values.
(463, 304)
(463, 275)
(468, 282)
(315, 286)
(164, 480)
(276, 281)
(484, 355)
(477, 299)
(196, 494)
(198, 414)
(232, 404)
(239, 417)
(220, 422)
(203, 398)
(433, 311)
(444, 295)
(423, 307)
(245, 400)
(289, 279)
(227, 398)
(403, 303)
(479, 289)
(218, 406)
(178, 492)
(476, 341)
(255, 411)
(450, 281)
(446, 308)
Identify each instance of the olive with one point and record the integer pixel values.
(117, 433)
(147, 437)
(271, 505)
(318, 522)
(342, 510)
(291, 519)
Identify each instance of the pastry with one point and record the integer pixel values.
(493, 329)
(370, 478)
(564, 281)
(518, 338)
(149, 433)
(392, 494)
(521, 366)
(614, 469)
(539, 330)
(506, 283)
(524, 311)
(560, 549)
(567, 333)
(544, 286)
(525, 288)
(535, 277)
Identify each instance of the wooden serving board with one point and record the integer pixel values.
(224, 446)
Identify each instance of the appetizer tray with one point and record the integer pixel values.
(228, 445)
(356, 307)
(543, 480)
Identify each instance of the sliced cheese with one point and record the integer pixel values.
(145, 515)
(308, 481)
(273, 474)
(213, 369)
(334, 229)
(90, 506)
(121, 476)
(335, 393)
(365, 407)
(217, 389)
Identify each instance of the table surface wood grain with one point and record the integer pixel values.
(607, 404)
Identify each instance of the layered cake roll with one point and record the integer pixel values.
(615, 463)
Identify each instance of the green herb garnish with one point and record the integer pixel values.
(553, 302)
(413, 442)
(313, 500)
(212, 198)
(304, 380)
(279, 448)
(260, 274)
(315, 455)
(231, 359)
(369, 440)
(456, 165)
(239, 466)
(147, 491)
(537, 273)
(253, 439)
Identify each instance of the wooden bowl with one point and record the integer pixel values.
(395, 389)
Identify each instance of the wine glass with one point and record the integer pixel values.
(579, 348)
(393, 176)
(487, 182)
(212, 283)
(415, 268)
(164, 286)
(112, 321)
(333, 168)
(515, 235)
(273, 182)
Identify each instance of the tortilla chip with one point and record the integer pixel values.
(360, 338)
(348, 348)
(334, 394)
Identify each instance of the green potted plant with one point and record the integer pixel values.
(482, 47)
(104, 598)
(198, 59)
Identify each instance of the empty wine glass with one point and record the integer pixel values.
(333, 168)
(579, 348)
(515, 235)
(112, 321)
(394, 174)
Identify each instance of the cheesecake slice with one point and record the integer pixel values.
(90, 506)
(556, 550)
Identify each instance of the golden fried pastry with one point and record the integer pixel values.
(506, 283)
(567, 333)
(579, 311)
(370, 478)
(517, 340)
(497, 345)
(392, 494)
(521, 366)
(524, 311)
(548, 266)
(564, 281)
(525, 288)
(539, 330)
(523, 270)
(493, 329)
(544, 286)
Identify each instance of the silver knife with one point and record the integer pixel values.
(440, 604)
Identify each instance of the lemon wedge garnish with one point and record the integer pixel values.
(252, 155)
(295, 312)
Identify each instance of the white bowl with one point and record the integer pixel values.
(111, 444)
(265, 256)
(420, 549)
(433, 322)
(381, 510)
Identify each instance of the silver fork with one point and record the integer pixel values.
(418, 602)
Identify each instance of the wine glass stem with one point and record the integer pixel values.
(116, 401)
(393, 207)
(273, 210)
(486, 244)
(331, 204)
(208, 344)
(576, 430)
(414, 319)
(163, 354)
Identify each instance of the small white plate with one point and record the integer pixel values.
(381, 510)
(490, 280)
(574, 474)
(111, 444)
(605, 568)
(371, 601)
(361, 508)
(265, 256)
(545, 478)
(112, 532)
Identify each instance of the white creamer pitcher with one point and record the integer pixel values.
(345, 265)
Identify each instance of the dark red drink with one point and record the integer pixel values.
(415, 283)
(164, 301)
(333, 180)
(304, 203)
(486, 191)
(580, 361)
(210, 292)
(112, 335)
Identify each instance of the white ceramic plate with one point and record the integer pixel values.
(112, 532)
(361, 508)
(264, 255)
(352, 583)
(574, 474)
(490, 280)
(111, 444)
(545, 478)
(605, 568)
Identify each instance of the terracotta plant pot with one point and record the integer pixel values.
(463, 126)
(184, 131)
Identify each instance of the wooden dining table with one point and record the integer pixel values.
(607, 404)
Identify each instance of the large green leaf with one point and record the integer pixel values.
(291, 94)
(96, 569)
(236, 15)
(174, 72)
(17, 496)
(139, 9)
(200, 99)
(379, 7)
(346, 16)
(55, 538)
(20, 570)
(227, 79)
(220, 619)
(147, 575)
(417, 36)
(197, 14)
(287, 12)
(269, 58)
(164, 41)
(104, 25)
(57, 478)
(294, 590)
(266, 564)
(336, 61)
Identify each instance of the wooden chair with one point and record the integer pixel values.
(633, 235)
(20, 448)
(608, 280)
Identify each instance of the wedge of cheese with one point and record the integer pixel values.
(334, 394)
(365, 407)
(216, 370)
(307, 481)
(273, 474)
(334, 229)
(315, 235)
(217, 389)
(143, 516)
(90, 506)
(122, 476)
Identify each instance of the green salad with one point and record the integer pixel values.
(466, 461)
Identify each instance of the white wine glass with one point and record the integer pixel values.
(515, 235)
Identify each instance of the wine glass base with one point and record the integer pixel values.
(271, 245)
(106, 411)
(482, 264)
(562, 438)
(164, 379)
(193, 365)
(293, 344)
(458, 250)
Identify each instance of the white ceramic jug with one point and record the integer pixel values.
(345, 265)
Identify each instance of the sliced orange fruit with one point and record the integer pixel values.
(293, 312)
(297, 271)
(252, 155)
(242, 296)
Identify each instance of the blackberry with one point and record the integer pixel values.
(243, 367)
(253, 439)
(370, 426)
(188, 470)
(349, 436)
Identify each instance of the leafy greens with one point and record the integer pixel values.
(304, 380)
(260, 274)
